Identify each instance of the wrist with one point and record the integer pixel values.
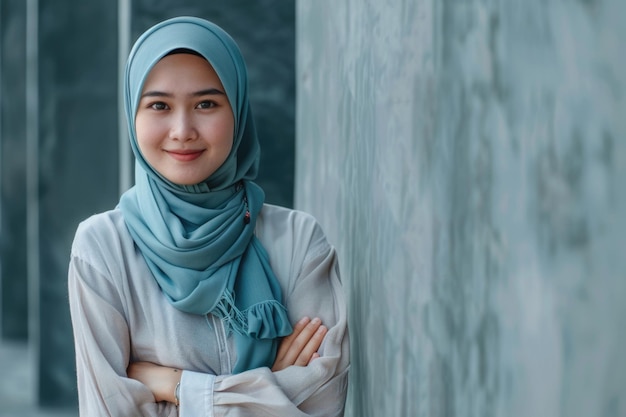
(170, 386)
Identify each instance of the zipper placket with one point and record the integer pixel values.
(222, 344)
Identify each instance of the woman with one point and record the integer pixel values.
(193, 297)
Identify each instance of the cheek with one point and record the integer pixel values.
(227, 128)
(147, 132)
(219, 132)
(228, 133)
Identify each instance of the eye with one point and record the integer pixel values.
(206, 104)
(158, 105)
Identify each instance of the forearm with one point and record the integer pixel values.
(161, 380)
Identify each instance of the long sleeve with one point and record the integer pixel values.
(318, 389)
(102, 344)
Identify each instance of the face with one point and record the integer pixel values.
(184, 122)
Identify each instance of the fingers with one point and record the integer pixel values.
(300, 348)
(286, 343)
(313, 357)
(311, 346)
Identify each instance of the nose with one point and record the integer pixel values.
(183, 128)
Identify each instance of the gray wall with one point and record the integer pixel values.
(468, 160)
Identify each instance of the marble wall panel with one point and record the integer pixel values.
(76, 165)
(13, 269)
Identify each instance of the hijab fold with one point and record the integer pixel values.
(201, 252)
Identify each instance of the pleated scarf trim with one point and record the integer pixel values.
(260, 321)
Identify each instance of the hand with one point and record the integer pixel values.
(161, 380)
(300, 347)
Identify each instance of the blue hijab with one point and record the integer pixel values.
(198, 240)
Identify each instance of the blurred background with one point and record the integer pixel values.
(64, 155)
(467, 158)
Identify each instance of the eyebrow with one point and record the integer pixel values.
(206, 92)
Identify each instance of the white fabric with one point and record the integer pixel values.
(120, 315)
(196, 395)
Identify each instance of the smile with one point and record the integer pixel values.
(185, 155)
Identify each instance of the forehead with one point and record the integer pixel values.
(181, 70)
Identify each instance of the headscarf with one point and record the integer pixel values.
(199, 240)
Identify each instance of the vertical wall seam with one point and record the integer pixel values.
(32, 177)
(1, 146)
(125, 166)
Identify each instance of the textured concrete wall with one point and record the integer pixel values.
(468, 159)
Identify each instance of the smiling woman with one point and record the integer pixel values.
(194, 297)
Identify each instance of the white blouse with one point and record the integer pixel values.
(119, 315)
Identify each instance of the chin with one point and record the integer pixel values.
(186, 179)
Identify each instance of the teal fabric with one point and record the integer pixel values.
(203, 255)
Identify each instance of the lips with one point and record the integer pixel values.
(185, 155)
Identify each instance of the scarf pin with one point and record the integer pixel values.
(246, 217)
